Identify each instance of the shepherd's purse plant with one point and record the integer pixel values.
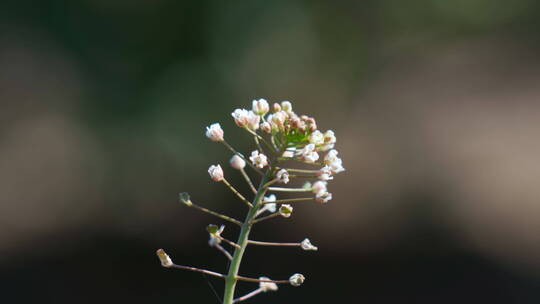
(284, 140)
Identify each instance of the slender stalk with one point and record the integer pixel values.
(301, 170)
(208, 272)
(274, 244)
(227, 241)
(232, 276)
(253, 280)
(249, 295)
(279, 189)
(240, 196)
(248, 180)
(300, 161)
(291, 200)
(255, 221)
(224, 251)
(221, 216)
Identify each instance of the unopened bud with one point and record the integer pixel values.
(164, 258)
(286, 106)
(216, 173)
(184, 199)
(276, 107)
(260, 107)
(306, 245)
(237, 162)
(297, 279)
(214, 132)
(266, 127)
(285, 210)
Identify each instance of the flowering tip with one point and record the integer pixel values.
(286, 106)
(309, 154)
(282, 176)
(216, 173)
(214, 132)
(297, 279)
(285, 210)
(258, 159)
(184, 199)
(164, 258)
(237, 162)
(306, 245)
(267, 286)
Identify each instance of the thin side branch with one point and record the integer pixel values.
(280, 189)
(224, 251)
(259, 243)
(299, 160)
(290, 200)
(301, 170)
(227, 241)
(265, 218)
(253, 280)
(208, 272)
(249, 295)
(240, 196)
(248, 180)
(221, 216)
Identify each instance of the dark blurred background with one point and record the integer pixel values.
(436, 105)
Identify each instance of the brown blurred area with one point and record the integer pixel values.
(436, 106)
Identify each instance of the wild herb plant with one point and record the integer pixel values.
(282, 138)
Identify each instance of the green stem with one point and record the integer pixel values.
(232, 276)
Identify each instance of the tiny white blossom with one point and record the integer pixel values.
(271, 207)
(319, 187)
(323, 197)
(214, 132)
(297, 279)
(164, 258)
(316, 138)
(258, 159)
(309, 154)
(329, 140)
(333, 161)
(267, 286)
(306, 245)
(260, 107)
(276, 107)
(241, 117)
(283, 176)
(286, 106)
(216, 173)
(253, 121)
(278, 120)
(237, 162)
(285, 210)
(325, 173)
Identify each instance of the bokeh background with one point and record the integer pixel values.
(436, 105)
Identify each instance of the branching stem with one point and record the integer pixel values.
(248, 180)
(255, 221)
(240, 196)
(279, 189)
(221, 216)
(274, 244)
(290, 200)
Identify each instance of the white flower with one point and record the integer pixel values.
(285, 210)
(276, 107)
(271, 207)
(214, 132)
(164, 258)
(328, 141)
(306, 245)
(333, 161)
(282, 176)
(325, 173)
(253, 121)
(258, 159)
(309, 154)
(241, 117)
(286, 106)
(260, 107)
(267, 286)
(237, 162)
(278, 120)
(216, 173)
(297, 279)
(323, 197)
(316, 138)
(319, 187)
(266, 127)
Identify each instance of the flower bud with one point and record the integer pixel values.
(271, 207)
(184, 198)
(258, 159)
(216, 173)
(276, 107)
(260, 107)
(286, 106)
(267, 286)
(306, 245)
(237, 162)
(285, 210)
(309, 154)
(214, 132)
(329, 140)
(266, 127)
(318, 187)
(323, 197)
(325, 173)
(164, 258)
(241, 117)
(282, 176)
(297, 279)
(316, 138)
(253, 121)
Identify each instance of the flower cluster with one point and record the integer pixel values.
(289, 147)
